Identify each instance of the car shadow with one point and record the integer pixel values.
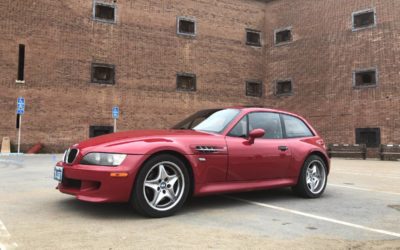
(229, 200)
(124, 211)
(99, 210)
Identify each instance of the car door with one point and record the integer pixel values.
(267, 158)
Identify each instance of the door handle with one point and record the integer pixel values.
(283, 148)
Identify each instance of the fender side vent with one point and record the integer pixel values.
(208, 149)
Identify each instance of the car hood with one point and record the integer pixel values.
(144, 141)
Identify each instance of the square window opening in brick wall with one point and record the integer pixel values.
(283, 36)
(100, 130)
(365, 78)
(368, 136)
(186, 82)
(103, 73)
(254, 88)
(186, 26)
(283, 87)
(364, 19)
(253, 37)
(104, 12)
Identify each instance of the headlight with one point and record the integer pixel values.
(103, 159)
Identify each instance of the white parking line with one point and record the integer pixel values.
(363, 189)
(3, 231)
(317, 217)
(368, 174)
(4, 236)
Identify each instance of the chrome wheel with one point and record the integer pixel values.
(315, 177)
(163, 186)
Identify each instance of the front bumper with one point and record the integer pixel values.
(95, 183)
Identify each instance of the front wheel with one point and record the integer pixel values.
(161, 187)
(313, 178)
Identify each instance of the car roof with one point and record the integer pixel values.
(261, 108)
(249, 109)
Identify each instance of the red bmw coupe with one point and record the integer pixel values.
(213, 151)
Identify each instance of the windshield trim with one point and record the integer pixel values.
(190, 118)
(226, 126)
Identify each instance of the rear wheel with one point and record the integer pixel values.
(162, 186)
(313, 178)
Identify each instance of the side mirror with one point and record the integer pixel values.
(256, 133)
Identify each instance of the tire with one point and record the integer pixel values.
(312, 179)
(161, 187)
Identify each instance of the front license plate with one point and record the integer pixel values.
(58, 173)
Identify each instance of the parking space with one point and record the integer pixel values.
(360, 209)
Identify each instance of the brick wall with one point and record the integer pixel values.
(62, 40)
(321, 59)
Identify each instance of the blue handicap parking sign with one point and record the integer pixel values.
(21, 100)
(115, 112)
(20, 105)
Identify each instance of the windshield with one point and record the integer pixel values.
(211, 120)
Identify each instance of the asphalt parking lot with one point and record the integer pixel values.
(359, 210)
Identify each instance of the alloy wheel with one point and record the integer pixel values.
(163, 186)
(315, 177)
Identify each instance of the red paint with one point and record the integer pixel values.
(256, 133)
(257, 161)
(239, 164)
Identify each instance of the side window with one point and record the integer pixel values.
(270, 122)
(240, 130)
(295, 127)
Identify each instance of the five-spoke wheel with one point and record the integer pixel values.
(315, 176)
(312, 179)
(161, 187)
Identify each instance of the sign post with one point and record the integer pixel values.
(20, 112)
(115, 115)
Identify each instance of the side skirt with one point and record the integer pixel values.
(242, 186)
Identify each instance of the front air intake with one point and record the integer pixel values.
(70, 155)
